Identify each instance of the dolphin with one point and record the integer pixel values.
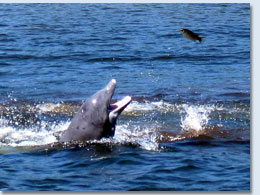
(97, 117)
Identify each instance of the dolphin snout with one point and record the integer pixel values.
(111, 85)
(113, 81)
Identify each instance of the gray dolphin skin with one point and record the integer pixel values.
(191, 35)
(97, 117)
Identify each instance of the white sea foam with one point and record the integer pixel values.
(33, 136)
(196, 117)
(47, 107)
(5, 131)
(144, 137)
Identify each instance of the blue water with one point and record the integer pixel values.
(188, 126)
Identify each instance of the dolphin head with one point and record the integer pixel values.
(97, 117)
(104, 111)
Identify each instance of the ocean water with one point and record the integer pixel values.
(188, 126)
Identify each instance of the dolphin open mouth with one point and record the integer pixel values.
(120, 105)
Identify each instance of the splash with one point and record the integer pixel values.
(144, 137)
(126, 135)
(146, 124)
(196, 118)
(33, 136)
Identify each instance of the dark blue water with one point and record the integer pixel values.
(188, 126)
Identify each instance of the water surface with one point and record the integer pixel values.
(188, 126)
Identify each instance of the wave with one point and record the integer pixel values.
(111, 68)
(163, 57)
(111, 59)
(147, 124)
(87, 58)
(4, 64)
(236, 94)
